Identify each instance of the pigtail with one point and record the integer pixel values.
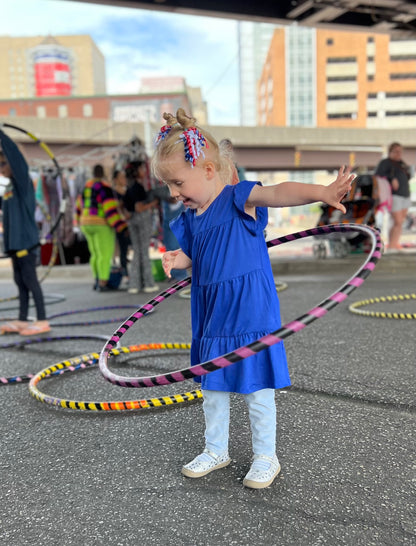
(170, 119)
(182, 130)
(184, 120)
(165, 130)
(192, 138)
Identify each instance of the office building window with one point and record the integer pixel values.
(401, 94)
(341, 60)
(402, 113)
(408, 57)
(341, 97)
(346, 115)
(341, 79)
(41, 112)
(62, 111)
(403, 76)
(87, 110)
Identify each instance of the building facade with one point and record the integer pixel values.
(331, 78)
(35, 66)
(253, 46)
(144, 107)
(64, 77)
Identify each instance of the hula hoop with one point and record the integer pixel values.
(260, 344)
(22, 344)
(186, 294)
(91, 322)
(280, 286)
(51, 234)
(382, 314)
(88, 360)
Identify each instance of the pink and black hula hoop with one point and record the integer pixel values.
(256, 346)
(23, 378)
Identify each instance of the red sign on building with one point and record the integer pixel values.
(52, 79)
(52, 71)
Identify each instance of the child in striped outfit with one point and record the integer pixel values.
(99, 220)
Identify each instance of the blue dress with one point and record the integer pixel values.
(233, 295)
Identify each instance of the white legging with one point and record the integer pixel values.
(262, 412)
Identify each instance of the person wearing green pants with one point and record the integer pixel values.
(99, 220)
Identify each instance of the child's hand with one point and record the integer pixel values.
(168, 261)
(339, 188)
(175, 259)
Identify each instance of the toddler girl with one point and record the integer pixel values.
(233, 296)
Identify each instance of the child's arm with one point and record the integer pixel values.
(290, 194)
(175, 259)
(17, 162)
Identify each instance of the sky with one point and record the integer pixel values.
(140, 43)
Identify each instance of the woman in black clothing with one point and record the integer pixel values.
(398, 174)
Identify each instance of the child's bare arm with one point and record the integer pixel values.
(289, 194)
(175, 259)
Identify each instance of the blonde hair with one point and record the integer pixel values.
(171, 143)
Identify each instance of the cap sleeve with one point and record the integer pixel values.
(242, 191)
(181, 230)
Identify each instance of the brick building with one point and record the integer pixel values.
(64, 77)
(119, 108)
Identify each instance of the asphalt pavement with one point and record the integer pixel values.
(346, 427)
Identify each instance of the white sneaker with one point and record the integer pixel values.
(205, 463)
(148, 289)
(262, 472)
(133, 290)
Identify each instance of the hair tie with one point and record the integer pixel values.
(163, 133)
(193, 142)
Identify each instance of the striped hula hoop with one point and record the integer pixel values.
(23, 378)
(88, 360)
(384, 314)
(256, 346)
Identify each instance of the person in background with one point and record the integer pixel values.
(99, 220)
(21, 238)
(123, 238)
(398, 174)
(140, 209)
